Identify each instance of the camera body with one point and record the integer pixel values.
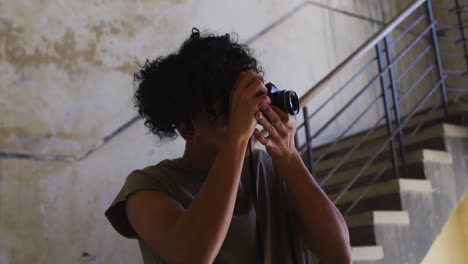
(285, 100)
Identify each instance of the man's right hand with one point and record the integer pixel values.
(243, 104)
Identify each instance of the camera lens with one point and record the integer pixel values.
(292, 102)
(285, 100)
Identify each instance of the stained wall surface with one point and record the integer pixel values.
(68, 133)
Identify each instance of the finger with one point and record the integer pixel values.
(269, 127)
(261, 100)
(282, 114)
(287, 119)
(275, 119)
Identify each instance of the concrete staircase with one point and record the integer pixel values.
(397, 220)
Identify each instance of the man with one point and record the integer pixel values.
(198, 208)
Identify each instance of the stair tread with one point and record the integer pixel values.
(363, 253)
(377, 217)
(412, 157)
(383, 188)
(435, 131)
(351, 140)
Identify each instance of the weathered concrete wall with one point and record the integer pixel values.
(65, 74)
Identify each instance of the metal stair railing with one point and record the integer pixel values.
(387, 75)
(459, 48)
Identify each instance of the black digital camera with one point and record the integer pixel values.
(285, 100)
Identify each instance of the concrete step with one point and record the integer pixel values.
(383, 188)
(381, 196)
(414, 163)
(371, 218)
(361, 226)
(405, 223)
(347, 143)
(430, 137)
(367, 253)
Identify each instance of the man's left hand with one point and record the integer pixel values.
(281, 128)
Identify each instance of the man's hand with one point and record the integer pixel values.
(244, 103)
(327, 235)
(281, 128)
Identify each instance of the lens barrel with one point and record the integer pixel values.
(285, 100)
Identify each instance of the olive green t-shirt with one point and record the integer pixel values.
(240, 246)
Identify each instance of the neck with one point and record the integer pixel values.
(198, 158)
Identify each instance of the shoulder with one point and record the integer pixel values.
(159, 174)
(147, 178)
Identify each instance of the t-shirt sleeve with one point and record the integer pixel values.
(137, 180)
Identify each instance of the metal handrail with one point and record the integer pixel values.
(396, 59)
(369, 162)
(390, 97)
(456, 9)
(368, 45)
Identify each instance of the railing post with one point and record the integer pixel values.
(440, 70)
(462, 32)
(310, 153)
(388, 114)
(396, 105)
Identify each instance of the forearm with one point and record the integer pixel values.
(325, 231)
(202, 229)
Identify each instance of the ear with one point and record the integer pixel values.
(186, 131)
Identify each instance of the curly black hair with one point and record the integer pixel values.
(170, 89)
